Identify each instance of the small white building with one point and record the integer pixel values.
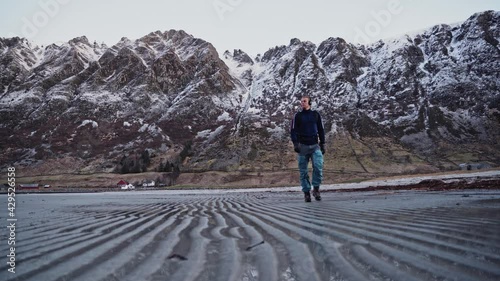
(124, 185)
(127, 187)
(148, 184)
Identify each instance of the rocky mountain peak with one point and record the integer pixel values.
(242, 57)
(177, 35)
(79, 40)
(294, 41)
(152, 38)
(13, 42)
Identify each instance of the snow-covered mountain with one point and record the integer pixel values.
(416, 103)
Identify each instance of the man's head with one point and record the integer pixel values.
(305, 102)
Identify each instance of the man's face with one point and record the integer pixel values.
(304, 102)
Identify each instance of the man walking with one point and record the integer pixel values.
(305, 131)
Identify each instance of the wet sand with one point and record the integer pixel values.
(265, 235)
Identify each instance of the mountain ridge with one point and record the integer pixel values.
(409, 104)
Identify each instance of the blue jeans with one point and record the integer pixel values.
(313, 153)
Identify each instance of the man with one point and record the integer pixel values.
(305, 131)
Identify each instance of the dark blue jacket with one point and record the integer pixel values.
(307, 127)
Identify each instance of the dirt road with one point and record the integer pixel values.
(160, 235)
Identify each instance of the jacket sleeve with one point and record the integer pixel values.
(293, 130)
(321, 130)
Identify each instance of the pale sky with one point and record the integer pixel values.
(253, 26)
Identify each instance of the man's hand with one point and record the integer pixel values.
(322, 147)
(296, 147)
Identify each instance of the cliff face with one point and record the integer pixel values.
(425, 102)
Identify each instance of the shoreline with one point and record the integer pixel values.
(443, 181)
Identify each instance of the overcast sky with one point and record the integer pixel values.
(251, 25)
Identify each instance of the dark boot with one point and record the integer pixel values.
(307, 196)
(316, 193)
